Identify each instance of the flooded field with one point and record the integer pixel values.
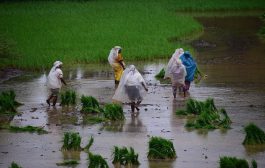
(229, 52)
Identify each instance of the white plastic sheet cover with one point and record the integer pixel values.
(113, 55)
(177, 72)
(178, 52)
(130, 77)
(54, 81)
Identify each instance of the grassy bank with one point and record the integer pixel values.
(38, 33)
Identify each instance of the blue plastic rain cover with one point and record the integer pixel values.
(190, 65)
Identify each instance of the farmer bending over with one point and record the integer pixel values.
(55, 80)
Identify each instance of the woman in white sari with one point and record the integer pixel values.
(132, 88)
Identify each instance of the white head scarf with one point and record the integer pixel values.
(113, 54)
(177, 72)
(56, 64)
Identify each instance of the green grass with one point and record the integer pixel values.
(71, 141)
(28, 128)
(68, 163)
(97, 161)
(206, 115)
(254, 135)
(8, 103)
(90, 105)
(14, 165)
(233, 162)
(113, 112)
(160, 148)
(124, 156)
(68, 98)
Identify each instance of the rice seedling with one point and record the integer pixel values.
(124, 156)
(14, 165)
(207, 116)
(68, 163)
(71, 141)
(113, 112)
(90, 143)
(28, 128)
(233, 162)
(97, 161)
(254, 135)
(254, 164)
(68, 98)
(161, 74)
(8, 103)
(160, 148)
(90, 105)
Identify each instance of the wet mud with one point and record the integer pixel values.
(238, 86)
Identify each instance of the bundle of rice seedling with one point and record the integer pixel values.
(207, 115)
(124, 156)
(71, 141)
(96, 161)
(28, 128)
(68, 98)
(233, 162)
(160, 148)
(254, 135)
(113, 112)
(161, 74)
(90, 105)
(8, 103)
(14, 165)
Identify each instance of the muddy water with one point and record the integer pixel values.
(235, 69)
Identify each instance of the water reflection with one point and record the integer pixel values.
(135, 125)
(161, 164)
(71, 155)
(113, 126)
(254, 149)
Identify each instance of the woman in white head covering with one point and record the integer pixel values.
(55, 80)
(177, 74)
(178, 52)
(116, 61)
(132, 88)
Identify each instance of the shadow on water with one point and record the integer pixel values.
(229, 52)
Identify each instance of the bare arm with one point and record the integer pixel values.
(63, 81)
(122, 64)
(144, 86)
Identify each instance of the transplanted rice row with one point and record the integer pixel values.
(160, 148)
(97, 161)
(233, 162)
(254, 135)
(124, 156)
(207, 116)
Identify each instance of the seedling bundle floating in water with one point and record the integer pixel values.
(97, 161)
(68, 163)
(8, 103)
(161, 74)
(90, 105)
(207, 115)
(160, 148)
(113, 112)
(233, 162)
(68, 98)
(124, 156)
(254, 135)
(71, 141)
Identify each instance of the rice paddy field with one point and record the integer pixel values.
(220, 122)
(33, 34)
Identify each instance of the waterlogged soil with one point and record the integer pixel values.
(236, 84)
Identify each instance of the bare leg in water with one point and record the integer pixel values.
(133, 106)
